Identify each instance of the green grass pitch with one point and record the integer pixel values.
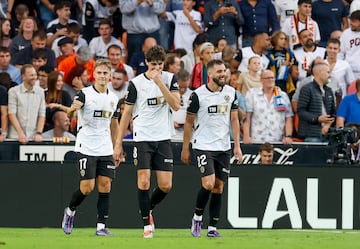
(50, 238)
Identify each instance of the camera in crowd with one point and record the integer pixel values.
(343, 139)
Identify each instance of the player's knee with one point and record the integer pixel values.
(217, 190)
(143, 184)
(166, 187)
(208, 185)
(86, 189)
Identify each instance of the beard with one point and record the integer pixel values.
(309, 44)
(221, 81)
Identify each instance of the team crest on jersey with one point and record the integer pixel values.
(135, 162)
(227, 98)
(112, 104)
(82, 173)
(202, 169)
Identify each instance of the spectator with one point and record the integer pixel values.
(199, 75)
(234, 82)
(260, 17)
(336, 34)
(72, 31)
(260, 47)
(43, 73)
(27, 108)
(349, 50)
(141, 21)
(117, 61)
(231, 57)
(302, 20)
(340, 69)
(285, 9)
(23, 40)
(172, 63)
(5, 26)
(316, 106)
(25, 56)
(191, 58)
(222, 20)
(266, 152)
(137, 60)
(183, 78)
(31, 5)
(330, 15)
(99, 44)
(56, 98)
(3, 113)
(281, 62)
(21, 12)
(61, 128)
(251, 78)
(39, 58)
(187, 25)
(58, 27)
(349, 109)
(308, 51)
(78, 79)
(93, 12)
(5, 80)
(5, 66)
(119, 84)
(66, 46)
(82, 57)
(303, 82)
(219, 45)
(268, 113)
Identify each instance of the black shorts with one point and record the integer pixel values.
(92, 166)
(213, 162)
(153, 155)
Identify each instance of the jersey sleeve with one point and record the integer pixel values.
(193, 106)
(174, 86)
(80, 96)
(132, 94)
(116, 113)
(235, 104)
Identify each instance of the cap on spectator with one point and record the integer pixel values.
(84, 53)
(206, 45)
(65, 40)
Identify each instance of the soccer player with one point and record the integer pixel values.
(212, 108)
(98, 113)
(150, 99)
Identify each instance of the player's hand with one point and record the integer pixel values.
(238, 154)
(185, 156)
(155, 75)
(119, 155)
(77, 104)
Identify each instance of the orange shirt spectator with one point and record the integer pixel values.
(82, 57)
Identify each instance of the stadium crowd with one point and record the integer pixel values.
(294, 64)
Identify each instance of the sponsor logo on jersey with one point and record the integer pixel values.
(102, 114)
(156, 101)
(218, 109)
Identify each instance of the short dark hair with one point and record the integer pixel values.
(212, 63)
(62, 4)
(268, 147)
(4, 49)
(355, 15)
(39, 53)
(46, 68)
(120, 70)
(333, 41)
(73, 28)
(105, 21)
(115, 46)
(304, 1)
(40, 34)
(155, 53)
(25, 67)
(200, 39)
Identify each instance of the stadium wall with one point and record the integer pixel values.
(33, 194)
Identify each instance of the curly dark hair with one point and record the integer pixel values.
(155, 53)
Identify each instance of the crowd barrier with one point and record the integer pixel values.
(302, 191)
(34, 194)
